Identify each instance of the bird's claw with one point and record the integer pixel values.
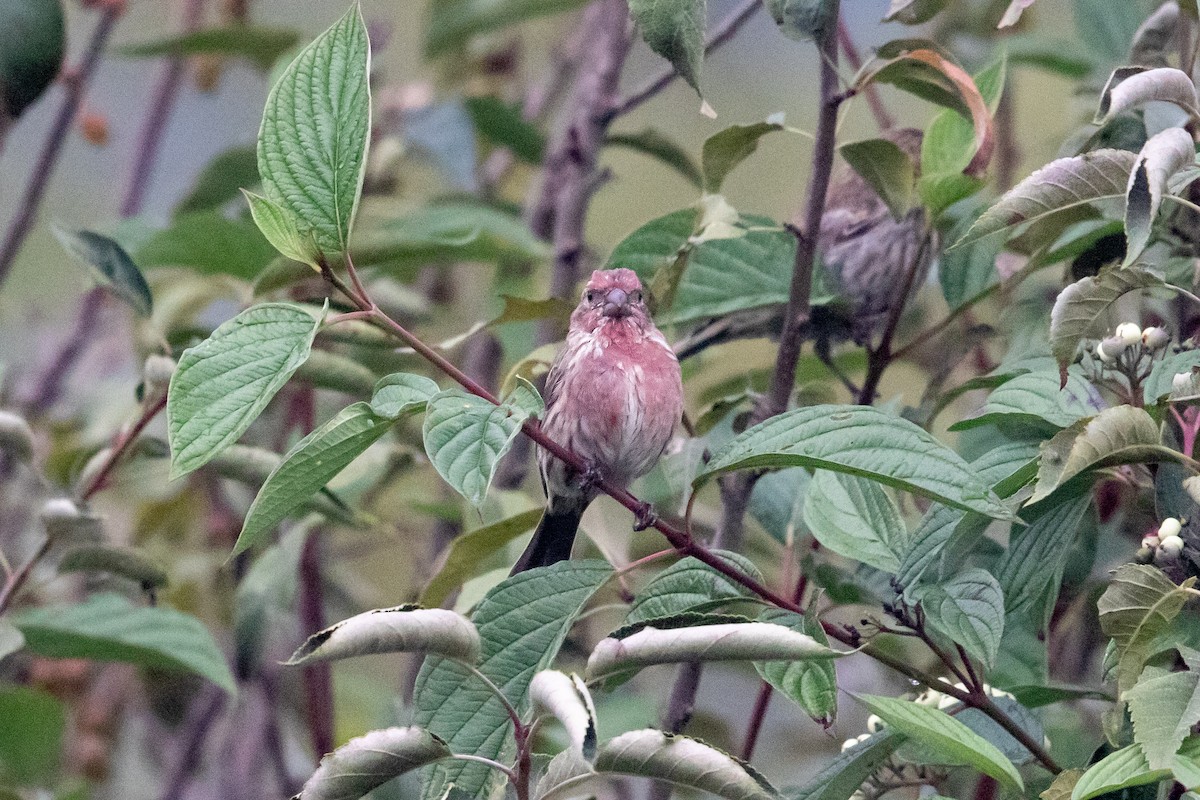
(645, 517)
(590, 477)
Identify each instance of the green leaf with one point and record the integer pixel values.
(371, 760)
(503, 125)
(720, 641)
(567, 698)
(523, 623)
(1116, 436)
(221, 181)
(467, 553)
(804, 19)
(949, 142)
(252, 465)
(261, 46)
(657, 145)
(1135, 609)
(947, 737)
(32, 41)
(1164, 709)
(886, 168)
(811, 684)
(1132, 87)
(675, 30)
(683, 762)
(854, 517)
(914, 12)
(939, 191)
(846, 773)
(126, 562)
(1163, 155)
(690, 585)
(1123, 769)
(403, 629)
(402, 393)
(465, 438)
(308, 466)
(863, 441)
(1060, 185)
(11, 640)
(450, 232)
(1037, 555)
(222, 384)
(725, 150)
(1159, 384)
(267, 591)
(453, 22)
(722, 276)
(1035, 397)
(111, 266)
(31, 738)
(107, 627)
(1080, 304)
(327, 369)
(1105, 28)
(968, 610)
(282, 230)
(210, 243)
(312, 147)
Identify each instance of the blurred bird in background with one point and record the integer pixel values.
(614, 395)
(865, 254)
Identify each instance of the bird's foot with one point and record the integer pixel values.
(591, 477)
(645, 517)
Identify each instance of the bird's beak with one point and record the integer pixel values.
(616, 304)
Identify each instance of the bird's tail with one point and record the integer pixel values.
(551, 541)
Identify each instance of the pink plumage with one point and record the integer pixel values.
(613, 395)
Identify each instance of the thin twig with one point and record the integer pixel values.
(121, 445)
(17, 579)
(883, 117)
(317, 677)
(881, 357)
(49, 387)
(724, 31)
(75, 82)
(201, 715)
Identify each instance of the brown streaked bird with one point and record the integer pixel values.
(614, 395)
(866, 254)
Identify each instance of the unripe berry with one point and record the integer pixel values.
(1171, 547)
(1169, 527)
(16, 437)
(1129, 333)
(1155, 338)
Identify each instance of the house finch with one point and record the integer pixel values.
(613, 395)
(866, 254)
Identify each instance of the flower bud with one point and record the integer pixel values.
(1171, 547)
(157, 371)
(64, 519)
(1169, 527)
(1155, 339)
(16, 437)
(1129, 334)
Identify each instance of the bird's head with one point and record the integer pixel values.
(611, 295)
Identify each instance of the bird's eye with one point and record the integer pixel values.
(589, 297)
(636, 296)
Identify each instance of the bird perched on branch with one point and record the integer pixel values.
(614, 395)
(866, 255)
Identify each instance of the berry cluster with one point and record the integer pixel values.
(1166, 546)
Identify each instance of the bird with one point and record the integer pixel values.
(865, 254)
(614, 395)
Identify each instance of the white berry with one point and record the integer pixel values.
(1169, 527)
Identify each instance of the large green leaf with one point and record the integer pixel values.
(1034, 398)
(1062, 184)
(1037, 555)
(863, 441)
(107, 627)
(308, 466)
(812, 683)
(690, 585)
(452, 22)
(1164, 709)
(722, 276)
(504, 125)
(312, 147)
(887, 168)
(968, 610)
(31, 736)
(675, 30)
(469, 552)
(523, 623)
(949, 739)
(224, 383)
(1116, 436)
(1135, 609)
(683, 762)
(221, 181)
(465, 438)
(854, 517)
(723, 151)
(452, 231)
(845, 774)
(1123, 769)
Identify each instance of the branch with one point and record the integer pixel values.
(725, 31)
(317, 677)
(883, 118)
(75, 82)
(121, 446)
(881, 357)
